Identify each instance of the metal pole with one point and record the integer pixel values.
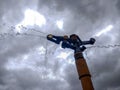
(83, 71)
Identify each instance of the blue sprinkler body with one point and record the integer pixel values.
(73, 42)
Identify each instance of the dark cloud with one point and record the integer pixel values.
(118, 5)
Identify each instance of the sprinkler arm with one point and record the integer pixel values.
(72, 42)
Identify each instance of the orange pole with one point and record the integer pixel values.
(83, 71)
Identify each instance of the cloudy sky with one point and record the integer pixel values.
(29, 62)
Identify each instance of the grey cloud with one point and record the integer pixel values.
(118, 5)
(92, 10)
